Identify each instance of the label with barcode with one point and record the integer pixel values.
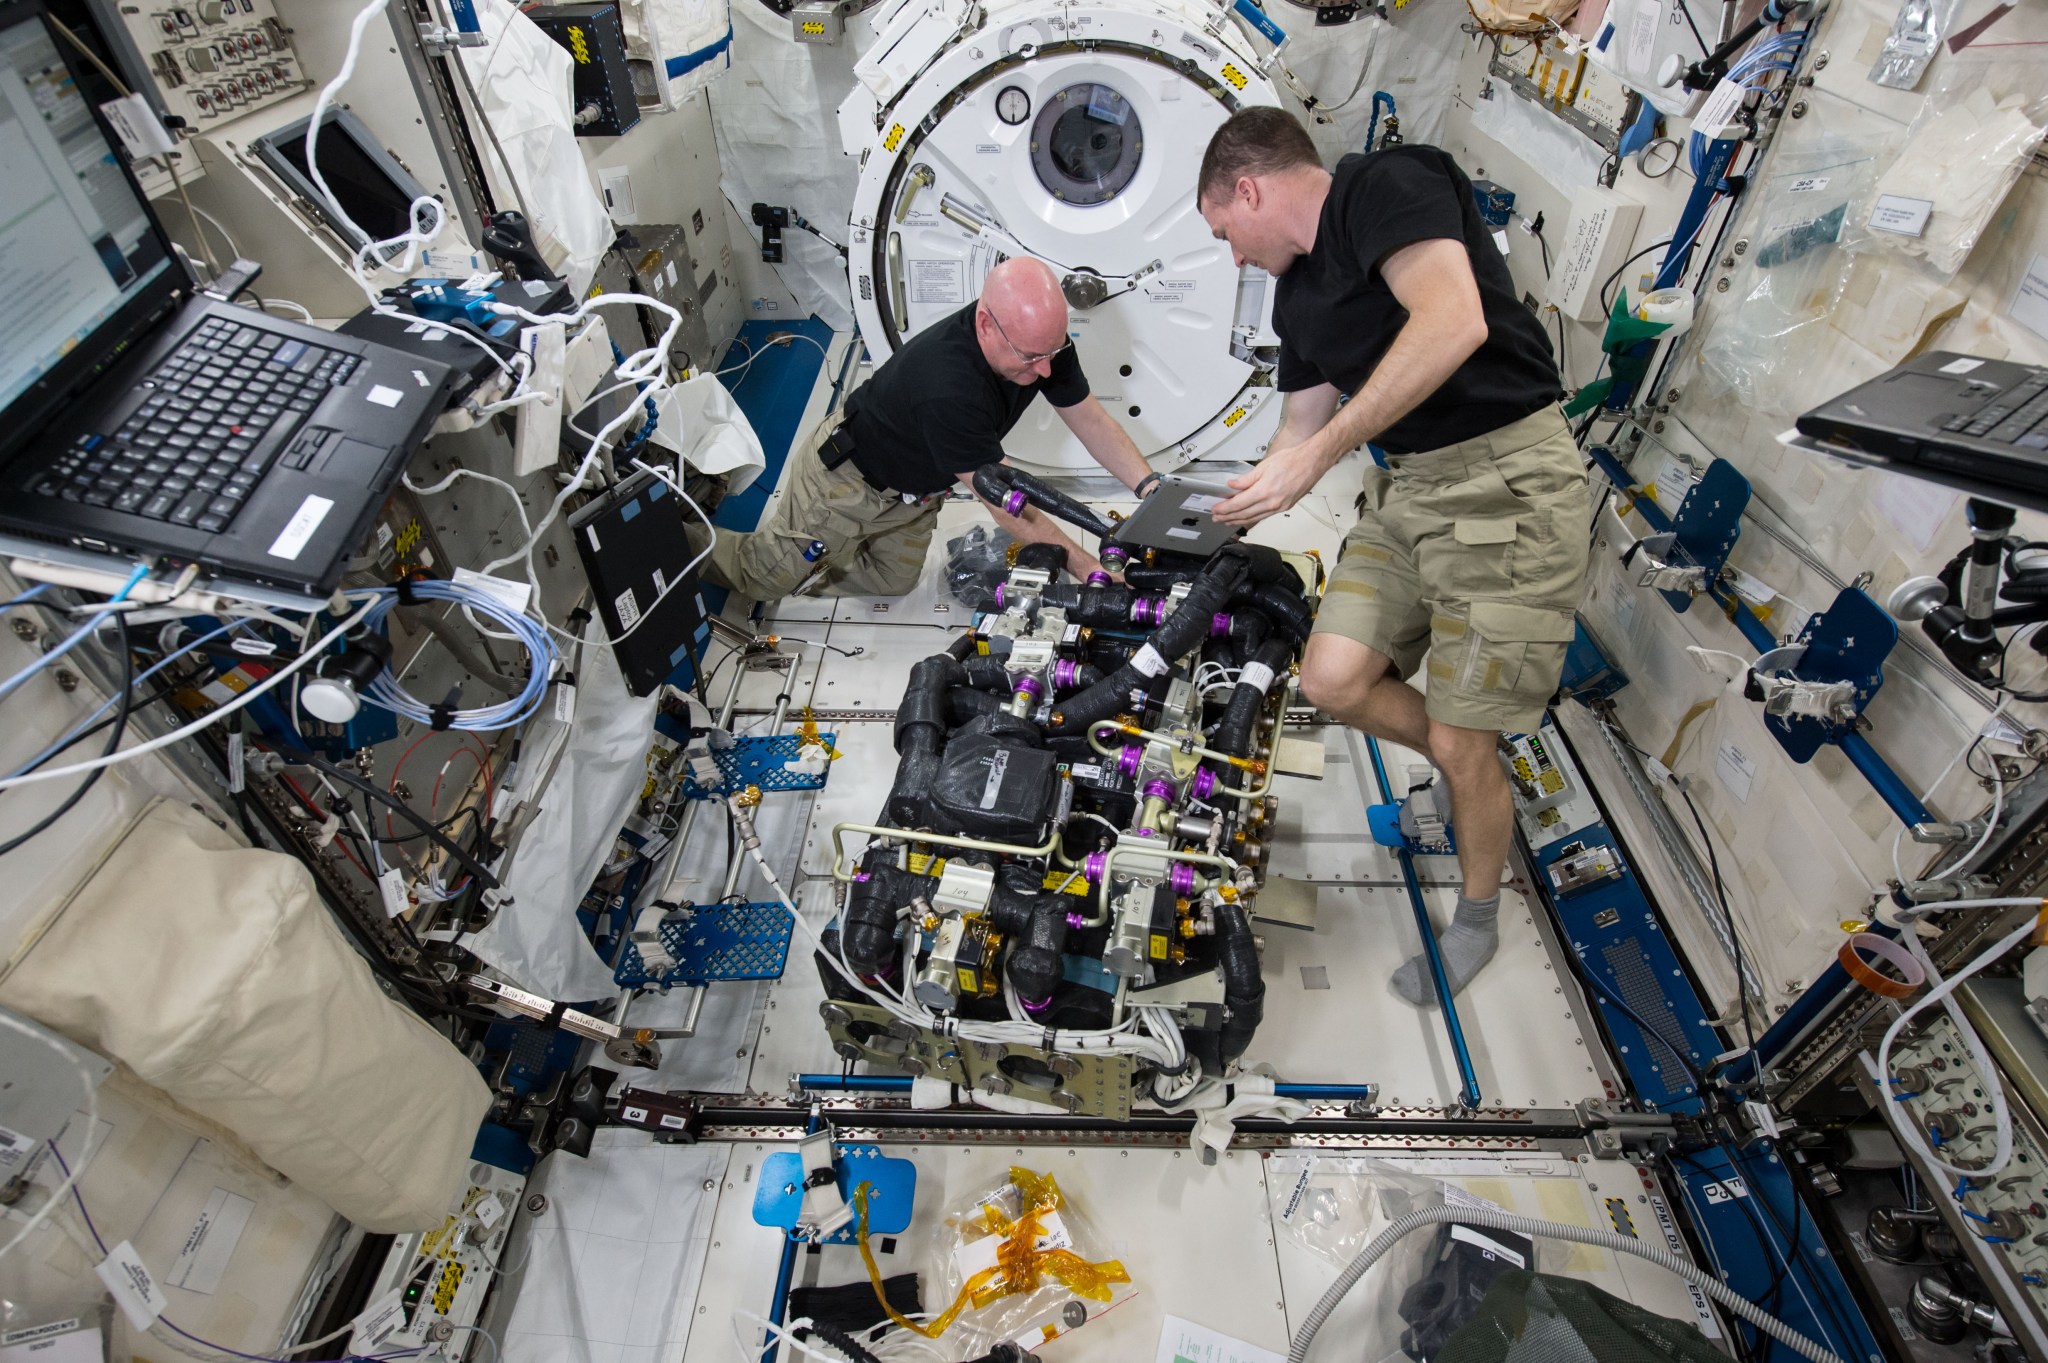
(378, 1321)
(14, 1148)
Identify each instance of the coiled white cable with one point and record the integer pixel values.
(86, 1149)
(1941, 993)
(1297, 1349)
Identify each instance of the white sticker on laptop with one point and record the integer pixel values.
(384, 396)
(1962, 366)
(628, 607)
(291, 541)
(1177, 533)
(1196, 501)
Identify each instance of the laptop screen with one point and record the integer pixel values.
(76, 244)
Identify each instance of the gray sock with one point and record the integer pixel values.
(1466, 947)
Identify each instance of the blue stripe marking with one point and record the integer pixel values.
(679, 67)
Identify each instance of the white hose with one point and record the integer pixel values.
(1910, 1131)
(1297, 1350)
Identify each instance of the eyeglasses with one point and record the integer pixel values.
(1026, 359)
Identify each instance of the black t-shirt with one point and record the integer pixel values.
(935, 409)
(1336, 316)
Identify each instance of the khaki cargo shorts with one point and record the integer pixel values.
(1473, 555)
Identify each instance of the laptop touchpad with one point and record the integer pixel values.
(349, 458)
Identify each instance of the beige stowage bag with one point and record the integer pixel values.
(214, 972)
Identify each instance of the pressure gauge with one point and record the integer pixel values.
(1013, 106)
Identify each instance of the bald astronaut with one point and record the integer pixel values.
(864, 487)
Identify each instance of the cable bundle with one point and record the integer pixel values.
(388, 693)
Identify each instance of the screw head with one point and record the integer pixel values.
(1722, 284)
(23, 629)
(1799, 110)
(536, 1204)
(67, 680)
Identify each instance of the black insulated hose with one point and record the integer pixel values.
(1035, 922)
(921, 734)
(1181, 632)
(868, 926)
(1241, 714)
(1013, 489)
(1244, 992)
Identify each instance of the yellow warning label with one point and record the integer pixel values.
(1235, 417)
(814, 28)
(1067, 881)
(924, 864)
(1230, 73)
(895, 136)
(967, 983)
(1158, 946)
(578, 47)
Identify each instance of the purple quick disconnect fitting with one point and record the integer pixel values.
(1013, 501)
(1077, 921)
(1205, 784)
(1182, 878)
(1001, 592)
(1039, 1007)
(1144, 612)
(862, 875)
(1127, 761)
(1219, 625)
(1159, 790)
(1094, 865)
(1066, 674)
(1099, 579)
(1030, 686)
(1115, 556)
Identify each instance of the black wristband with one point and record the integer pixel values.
(1146, 484)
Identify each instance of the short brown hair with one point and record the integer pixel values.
(1255, 141)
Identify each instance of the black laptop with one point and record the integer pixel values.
(1976, 424)
(139, 416)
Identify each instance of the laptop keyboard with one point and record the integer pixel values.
(2017, 417)
(195, 450)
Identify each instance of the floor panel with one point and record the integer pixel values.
(1195, 1240)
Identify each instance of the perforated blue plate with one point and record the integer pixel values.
(758, 761)
(714, 942)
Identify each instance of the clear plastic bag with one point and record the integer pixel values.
(1910, 46)
(976, 563)
(1790, 278)
(1431, 1281)
(1021, 1264)
(24, 1321)
(1962, 155)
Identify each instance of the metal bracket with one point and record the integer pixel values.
(441, 41)
(1611, 1132)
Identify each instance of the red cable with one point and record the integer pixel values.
(314, 808)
